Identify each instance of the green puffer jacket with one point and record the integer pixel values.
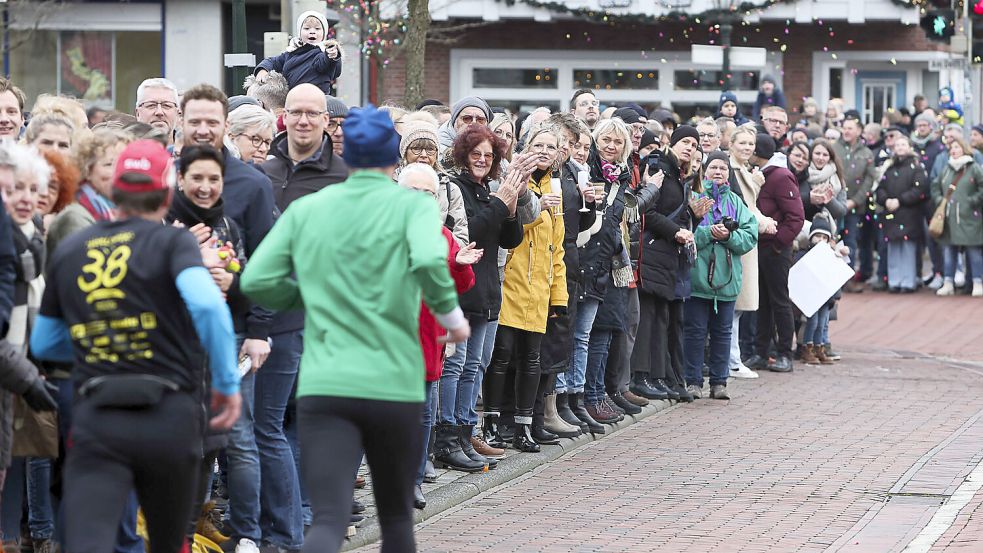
(726, 285)
(964, 221)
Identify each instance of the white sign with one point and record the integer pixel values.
(816, 277)
(947, 63)
(240, 60)
(704, 54)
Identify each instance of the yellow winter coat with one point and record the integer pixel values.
(535, 276)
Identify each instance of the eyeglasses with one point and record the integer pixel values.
(475, 156)
(420, 150)
(707, 135)
(258, 141)
(543, 148)
(154, 106)
(588, 104)
(333, 125)
(776, 121)
(469, 119)
(298, 113)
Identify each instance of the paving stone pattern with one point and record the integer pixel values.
(805, 461)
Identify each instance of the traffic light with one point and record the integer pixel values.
(976, 21)
(939, 25)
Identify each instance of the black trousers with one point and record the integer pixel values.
(333, 432)
(774, 307)
(658, 349)
(525, 347)
(156, 450)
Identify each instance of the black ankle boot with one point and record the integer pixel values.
(665, 387)
(523, 440)
(577, 406)
(466, 431)
(563, 409)
(491, 432)
(448, 452)
(543, 436)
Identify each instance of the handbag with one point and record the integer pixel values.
(35, 432)
(936, 227)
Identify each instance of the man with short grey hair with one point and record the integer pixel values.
(157, 106)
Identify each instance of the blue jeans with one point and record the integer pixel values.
(281, 519)
(974, 255)
(429, 410)
(815, 327)
(243, 469)
(290, 429)
(34, 475)
(574, 379)
(702, 317)
(597, 362)
(460, 383)
(901, 264)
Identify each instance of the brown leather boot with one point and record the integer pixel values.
(482, 447)
(820, 353)
(809, 355)
(637, 400)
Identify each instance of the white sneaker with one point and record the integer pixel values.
(935, 283)
(946, 290)
(977, 289)
(741, 371)
(246, 546)
(960, 279)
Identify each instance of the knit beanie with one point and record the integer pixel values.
(764, 146)
(470, 102)
(820, 225)
(239, 101)
(682, 132)
(978, 128)
(336, 108)
(370, 139)
(316, 15)
(627, 115)
(727, 96)
(927, 117)
(648, 138)
(415, 132)
(717, 154)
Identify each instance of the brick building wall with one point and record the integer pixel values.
(801, 41)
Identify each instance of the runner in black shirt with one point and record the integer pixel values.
(124, 302)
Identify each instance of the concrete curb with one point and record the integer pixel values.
(454, 493)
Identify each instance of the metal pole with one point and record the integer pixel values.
(239, 74)
(725, 34)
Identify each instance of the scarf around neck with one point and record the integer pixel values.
(96, 204)
(960, 162)
(817, 176)
(189, 213)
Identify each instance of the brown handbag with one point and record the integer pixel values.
(936, 226)
(35, 433)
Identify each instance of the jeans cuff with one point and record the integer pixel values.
(523, 420)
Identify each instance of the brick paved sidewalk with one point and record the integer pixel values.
(826, 458)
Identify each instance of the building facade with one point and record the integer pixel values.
(519, 54)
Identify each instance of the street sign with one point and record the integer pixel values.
(946, 64)
(705, 54)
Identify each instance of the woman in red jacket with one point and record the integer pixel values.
(418, 176)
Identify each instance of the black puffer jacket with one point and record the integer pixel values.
(489, 227)
(597, 253)
(658, 263)
(905, 180)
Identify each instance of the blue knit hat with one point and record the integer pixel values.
(370, 139)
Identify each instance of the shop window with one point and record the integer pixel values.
(99, 68)
(616, 79)
(516, 106)
(710, 80)
(835, 82)
(488, 77)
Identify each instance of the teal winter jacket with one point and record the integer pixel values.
(725, 256)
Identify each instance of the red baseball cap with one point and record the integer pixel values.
(147, 158)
